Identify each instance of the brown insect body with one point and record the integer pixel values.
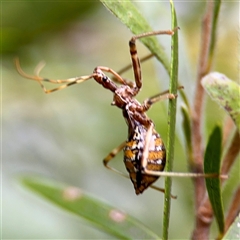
(144, 151)
(138, 122)
(133, 153)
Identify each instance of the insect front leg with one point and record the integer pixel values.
(98, 75)
(66, 82)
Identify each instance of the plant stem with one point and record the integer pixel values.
(209, 24)
(171, 124)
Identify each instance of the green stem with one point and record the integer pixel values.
(171, 124)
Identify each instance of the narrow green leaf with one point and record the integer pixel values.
(212, 160)
(171, 123)
(103, 216)
(224, 92)
(187, 133)
(234, 231)
(216, 9)
(184, 98)
(134, 20)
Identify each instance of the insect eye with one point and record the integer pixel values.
(105, 78)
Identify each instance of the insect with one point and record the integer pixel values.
(144, 150)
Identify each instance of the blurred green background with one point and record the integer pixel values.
(65, 135)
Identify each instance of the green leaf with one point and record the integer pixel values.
(133, 19)
(212, 160)
(103, 216)
(233, 232)
(172, 122)
(187, 133)
(224, 92)
(216, 10)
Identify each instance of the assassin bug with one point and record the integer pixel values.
(144, 150)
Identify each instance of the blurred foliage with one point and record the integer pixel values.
(34, 19)
(65, 135)
(224, 92)
(104, 216)
(233, 232)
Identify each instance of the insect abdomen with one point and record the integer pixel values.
(133, 156)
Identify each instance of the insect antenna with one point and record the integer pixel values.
(68, 82)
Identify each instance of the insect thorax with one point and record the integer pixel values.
(133, 152)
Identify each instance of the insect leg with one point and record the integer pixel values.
(98, 75)
(169, 174)
(159, 97)
(130, 83)
(135, 58)
(129, 66)
(145, 158)
(112, 154)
